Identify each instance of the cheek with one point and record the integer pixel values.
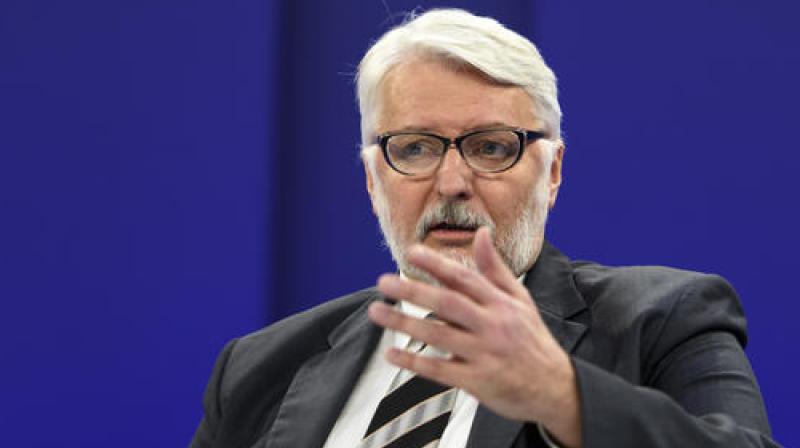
(505, 200)
(506, 210)
(406, 201)
(504, 194)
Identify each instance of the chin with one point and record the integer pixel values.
(462, 255)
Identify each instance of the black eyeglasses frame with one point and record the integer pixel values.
(525, 136)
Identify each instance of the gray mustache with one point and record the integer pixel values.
(451, 213)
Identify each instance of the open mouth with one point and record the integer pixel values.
(450, 233)
(444, 226)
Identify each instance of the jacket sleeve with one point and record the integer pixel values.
(698, 389)
(206, 432)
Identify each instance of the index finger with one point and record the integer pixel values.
(448, 305)
(454, 275)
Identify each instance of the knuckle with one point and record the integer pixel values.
(431, 367)
(508, 305)
(411, 290)
(509, 321)
(488, 372)
(431, 334)
(398, 321)
(448, 303)
(503, 334)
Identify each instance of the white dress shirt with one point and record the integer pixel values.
(376, 381)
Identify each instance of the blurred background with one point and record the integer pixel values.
(174, 174)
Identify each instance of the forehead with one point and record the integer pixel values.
(428, 94)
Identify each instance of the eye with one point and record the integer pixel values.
(493, 149)
(413, 147)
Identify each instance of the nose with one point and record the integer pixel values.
(454, 176)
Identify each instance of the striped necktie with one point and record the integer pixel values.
(412, 415)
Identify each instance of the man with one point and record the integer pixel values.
(488, 337)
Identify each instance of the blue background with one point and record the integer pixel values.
(177, 173)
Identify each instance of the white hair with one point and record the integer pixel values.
(458, 37)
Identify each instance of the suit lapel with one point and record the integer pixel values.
(322, 385)
(552, 287)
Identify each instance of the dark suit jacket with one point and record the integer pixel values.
(657, 352)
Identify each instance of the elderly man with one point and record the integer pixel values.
(487, 336)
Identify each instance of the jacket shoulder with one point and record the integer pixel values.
(276, 350)
(321, 319)
(653, 296)
(636, 284)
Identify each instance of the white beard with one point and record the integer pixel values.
(519, 246)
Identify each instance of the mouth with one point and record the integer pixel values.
(452, 234)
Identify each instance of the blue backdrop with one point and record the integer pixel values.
(177, 173)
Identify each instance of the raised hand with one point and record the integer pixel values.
(501, 351)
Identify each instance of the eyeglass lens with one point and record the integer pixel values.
(484, 151)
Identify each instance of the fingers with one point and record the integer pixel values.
(488, 322)
(443, 371)
(448, 305)
(453, 274)
(436, 333)
(493, 274)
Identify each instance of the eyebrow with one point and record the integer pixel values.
(480, 127)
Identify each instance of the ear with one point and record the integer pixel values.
(555, 173)
(370, 180)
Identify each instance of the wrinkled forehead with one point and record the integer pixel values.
(448, 96)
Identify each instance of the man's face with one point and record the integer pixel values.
(442, 210)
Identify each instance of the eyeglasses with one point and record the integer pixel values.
(486, 151)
